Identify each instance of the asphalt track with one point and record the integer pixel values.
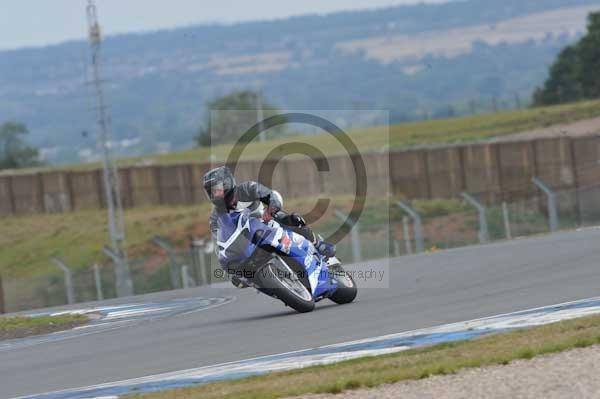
(425, 291)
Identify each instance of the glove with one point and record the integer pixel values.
(297, 220)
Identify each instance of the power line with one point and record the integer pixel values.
(116, 223)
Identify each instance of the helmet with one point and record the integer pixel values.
(277, 199)
(219, 185)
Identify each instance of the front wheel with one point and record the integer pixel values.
(278, 280)
(346, 291)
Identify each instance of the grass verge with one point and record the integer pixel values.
(414, 364)
(19, 327)
(28, 242)
(404, 135)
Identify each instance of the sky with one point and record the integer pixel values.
(25, 23)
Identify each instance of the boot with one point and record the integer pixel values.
(239, 283)
(326, 249)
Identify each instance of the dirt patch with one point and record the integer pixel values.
(571, 374)
(586, 127)
(40, 329)
(454, 42)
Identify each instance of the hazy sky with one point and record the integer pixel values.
(39, 22)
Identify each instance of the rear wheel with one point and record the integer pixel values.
(277, 279)
(346, 291)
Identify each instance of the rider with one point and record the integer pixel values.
(227, 196)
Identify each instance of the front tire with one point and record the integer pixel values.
(346, 291)
(278, 280)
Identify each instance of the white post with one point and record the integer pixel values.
(507, 230)
(187, 280)
(552, 210)
(406, 233)
(200, 249)
(203, 271)
(484, 235)
(68, 281)
(396, 248)
(99, 293)
(418, 225)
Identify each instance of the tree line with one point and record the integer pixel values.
(14, 152)
(575, 75)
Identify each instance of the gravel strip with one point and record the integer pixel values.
(580, 128)
(570, 374)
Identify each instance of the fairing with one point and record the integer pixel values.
(240, 236)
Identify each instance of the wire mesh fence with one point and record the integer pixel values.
(445, 224)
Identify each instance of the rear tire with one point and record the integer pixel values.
(346, 291)
(278, 280)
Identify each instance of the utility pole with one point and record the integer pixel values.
(116, 224)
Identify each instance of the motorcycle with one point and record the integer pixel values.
(280, 263)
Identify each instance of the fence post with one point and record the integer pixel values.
(396, 248)
(175, 273)
(354, 236)
(552, 211)
(507, 230)
(123, 280)
(186, 279)
(2, 304)
(99, 294)
(484, 234)
(12, 201)
(199, 249)
(202, 258)
(418, 225)
(575, 172)
(68, 281)
(406, 234)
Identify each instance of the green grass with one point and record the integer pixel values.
(444, 131)
(28, 242)
(18, 327)
(370, 372)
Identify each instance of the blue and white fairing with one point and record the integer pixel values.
(241, 235)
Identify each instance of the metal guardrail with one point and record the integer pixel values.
(484, 232)
(418, 225)
(551, 198)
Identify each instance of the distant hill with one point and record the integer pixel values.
(417, 61)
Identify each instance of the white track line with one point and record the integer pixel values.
(343, 351)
